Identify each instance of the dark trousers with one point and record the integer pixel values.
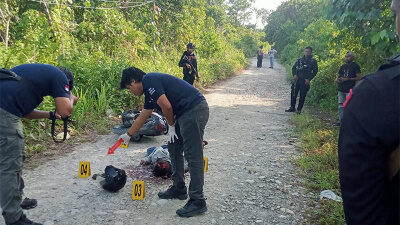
(190, 130)
(298, 86)
(188, 78)
(12, 154)
(259, 61)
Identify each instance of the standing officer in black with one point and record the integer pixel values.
(189, 63)
(369, 153)
(303, 71)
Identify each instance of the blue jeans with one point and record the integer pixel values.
(271, 62)
(341, 99)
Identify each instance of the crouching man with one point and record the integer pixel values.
(21, 91)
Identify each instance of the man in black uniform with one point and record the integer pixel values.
(349, 73)
(303, 71)
(189, 63)
(369, 153)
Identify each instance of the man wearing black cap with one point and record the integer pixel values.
(303, 71)
(189, 63)
(368, 150)
(21, 91)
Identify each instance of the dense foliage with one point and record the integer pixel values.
(97, 39)
(333, 27)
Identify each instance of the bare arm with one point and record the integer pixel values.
(358, 77)
(166, 108)
(64, 105)
(38, 114)
(138, 123)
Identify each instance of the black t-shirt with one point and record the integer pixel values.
(19, 100)
(348, 70)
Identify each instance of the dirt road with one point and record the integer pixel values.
(250, 180)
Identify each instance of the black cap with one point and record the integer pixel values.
(190, 45)
(69, 75)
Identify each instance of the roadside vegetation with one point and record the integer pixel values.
(331, 28)
(96, 40)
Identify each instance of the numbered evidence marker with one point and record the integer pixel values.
(138, 190)
(205, 164)
(124, 146)
(84, 169)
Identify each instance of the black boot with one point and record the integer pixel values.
(192, 208)
(24, 221)
(28, 203)
(291, 109)
(173, 192)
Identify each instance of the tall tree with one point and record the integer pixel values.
(262, 15)
(293, 16)
(5, 15)
(240, 11)
(370, 19)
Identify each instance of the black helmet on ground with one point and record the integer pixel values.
(114, 179)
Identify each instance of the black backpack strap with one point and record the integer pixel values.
(53, 126)
(10, 75)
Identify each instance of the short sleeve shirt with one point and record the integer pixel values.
(17, 99)
(180, 94)
(272, 53)
(348, 70)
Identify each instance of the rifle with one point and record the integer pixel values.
(190, 63)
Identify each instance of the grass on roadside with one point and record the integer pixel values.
(319, 165)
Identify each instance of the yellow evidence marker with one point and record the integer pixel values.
(138, 190)
(124, 145)
(84, 169)
(205, 164)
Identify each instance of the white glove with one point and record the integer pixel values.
(171, 133)
(125, 137)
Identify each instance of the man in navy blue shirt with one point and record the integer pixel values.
(19, 99)
(186, 111)
(369, 150)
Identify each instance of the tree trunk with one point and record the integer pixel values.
(6, 18)
(7, 31)
(46, 11)
(154, 33)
